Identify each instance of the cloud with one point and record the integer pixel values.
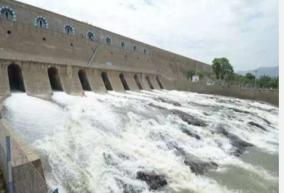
(245, 31)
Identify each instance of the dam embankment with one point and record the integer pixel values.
(265, 95)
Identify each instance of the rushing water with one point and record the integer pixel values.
(160, 141)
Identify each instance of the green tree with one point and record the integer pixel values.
(190, 74)
(216, 67)
(264, 82)
(231, 77)
(268, 82)
(222, 68)
(250, 77)
(201, 75)
(274, 82)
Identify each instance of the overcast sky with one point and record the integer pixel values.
(244, 31)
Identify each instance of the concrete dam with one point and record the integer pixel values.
(36, 40)
(85, 110)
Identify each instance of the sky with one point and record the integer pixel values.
(244, 31)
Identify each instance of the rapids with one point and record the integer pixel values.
(159, 141)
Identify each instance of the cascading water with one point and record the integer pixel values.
(160, 141)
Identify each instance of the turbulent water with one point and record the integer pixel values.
(159, 141)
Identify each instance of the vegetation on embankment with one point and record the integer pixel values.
(223, 71)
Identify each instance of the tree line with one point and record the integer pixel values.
(224, 71)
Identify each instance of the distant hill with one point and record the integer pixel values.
(268, 71)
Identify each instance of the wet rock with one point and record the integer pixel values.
(262, 109)
(257, 125)
(239, 144)
(168, 101)
(157, 107)
(154, 181)
(109, 160)
(265, 120)
(252, 114)
(189, 119)
(128, 188)
(172, 145)
(190, 133)
(206, 114)
(205, 106)
(198, 166)
(240, 111)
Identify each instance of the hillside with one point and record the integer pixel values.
(268, 71)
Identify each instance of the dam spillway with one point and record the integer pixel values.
(88, 110)
(193, 142)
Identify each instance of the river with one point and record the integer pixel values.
(158, 141)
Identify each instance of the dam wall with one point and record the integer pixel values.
(265, 95)
(36, 40)
(42, 52)
(36, 79)
(86, 57)
(22, 39)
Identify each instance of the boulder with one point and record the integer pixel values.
(154, 181)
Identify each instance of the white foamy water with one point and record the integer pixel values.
(98, 143)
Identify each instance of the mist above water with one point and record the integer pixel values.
(160, 141)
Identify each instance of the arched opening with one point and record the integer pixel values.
(159, 82)
(138, 82)
(8, 13)
(69, 30)
(84, 80)
(91, 36)
(106, 81)
(54, 79)
(122, 44)
(149, 82)
(108, 41)
(123, 81)
(15, 78)
(41, 22)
